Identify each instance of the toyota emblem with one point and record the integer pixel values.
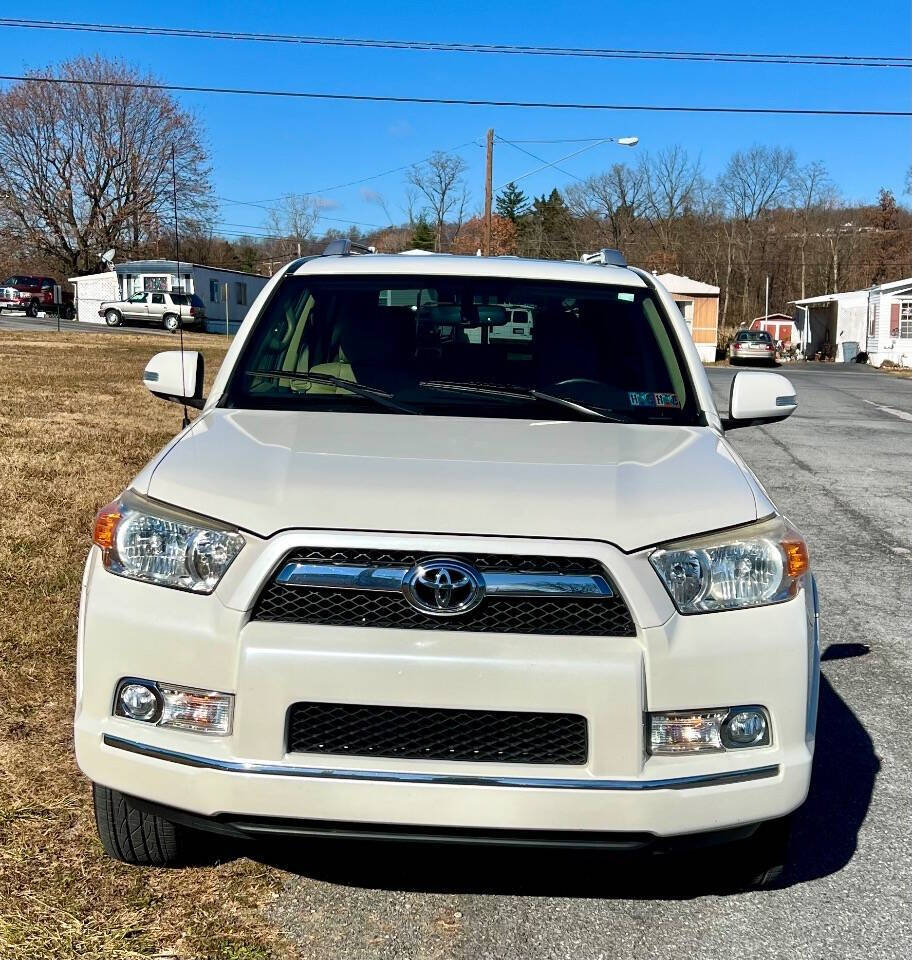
(443, 588)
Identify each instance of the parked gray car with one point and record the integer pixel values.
(170, 310)
(752, 345)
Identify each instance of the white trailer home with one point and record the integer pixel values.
(877, 320)
(226, 294)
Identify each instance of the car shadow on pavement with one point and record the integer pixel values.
(823, 842)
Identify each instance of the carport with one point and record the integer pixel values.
(832, 325)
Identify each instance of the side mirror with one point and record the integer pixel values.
(177, 376)
(757, 398)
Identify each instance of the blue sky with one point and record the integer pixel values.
(262, 148)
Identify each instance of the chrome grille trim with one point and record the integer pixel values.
(392, 579)
(471, 591)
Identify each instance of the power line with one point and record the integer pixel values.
(459, 101)
(356, 223)
(350, 183)
(545, 164)
(534, 156)
(791, 59)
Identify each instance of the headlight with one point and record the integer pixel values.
(144, 540)
(749, 567)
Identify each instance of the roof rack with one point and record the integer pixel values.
(345, 248)
(606, 257)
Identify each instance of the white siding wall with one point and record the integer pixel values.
(91, 291)
(896, 349)
(204, 277)
(874, 323)
(851, 327)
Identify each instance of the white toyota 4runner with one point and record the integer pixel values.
(414, 574)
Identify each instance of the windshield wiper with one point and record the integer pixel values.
(519, 393)
(367, 392)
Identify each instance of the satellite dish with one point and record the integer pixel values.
(108, 256)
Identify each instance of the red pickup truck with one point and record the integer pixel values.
(32, 294)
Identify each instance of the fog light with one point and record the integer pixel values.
(201, 710)
(168, 705)
(686, 732)
(746, 727)
(138, 701)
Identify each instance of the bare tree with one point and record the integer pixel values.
(669, 180)
(613, 200)
(85, 166)
(372, 196)
(812, 190)
(292, 223)
(441, 181)
(754, 182)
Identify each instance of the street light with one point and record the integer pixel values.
(489, 174)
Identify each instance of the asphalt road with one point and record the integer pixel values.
(19, 321)
(841, 468)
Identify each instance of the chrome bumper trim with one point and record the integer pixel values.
(446, 779)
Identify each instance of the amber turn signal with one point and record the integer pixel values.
(797, 560)
(106, 521)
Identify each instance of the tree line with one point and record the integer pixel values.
(88, 168)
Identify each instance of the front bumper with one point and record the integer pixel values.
(763, 656)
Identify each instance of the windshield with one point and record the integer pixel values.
(471, 346)
(755, 336)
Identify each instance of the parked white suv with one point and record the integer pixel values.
(171, 310)
(403, 578)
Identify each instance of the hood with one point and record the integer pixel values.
(629, 484)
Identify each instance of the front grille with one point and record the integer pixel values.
(420, 733)
(565, 616)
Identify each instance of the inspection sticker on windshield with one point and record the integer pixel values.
(641, 399)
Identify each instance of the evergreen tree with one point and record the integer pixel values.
(511, 203)
(423, 237)
(550, 227)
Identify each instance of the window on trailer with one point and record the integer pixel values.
(905, 319)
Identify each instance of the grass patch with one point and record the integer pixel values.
(75, 425)
(904, 373)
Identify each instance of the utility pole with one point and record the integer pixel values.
(489, 185)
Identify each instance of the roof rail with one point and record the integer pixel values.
(345, 248)
(606, 257)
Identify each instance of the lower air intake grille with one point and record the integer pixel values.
(420, 733)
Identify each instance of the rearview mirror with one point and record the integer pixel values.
(757, 398)
(178, 376)
(460, 315)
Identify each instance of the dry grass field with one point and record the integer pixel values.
(75, 425)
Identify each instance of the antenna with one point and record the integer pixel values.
(180, 326)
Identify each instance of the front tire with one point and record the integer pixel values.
(136, 837)
(113, 318)
(32, 309)
(171, 322)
